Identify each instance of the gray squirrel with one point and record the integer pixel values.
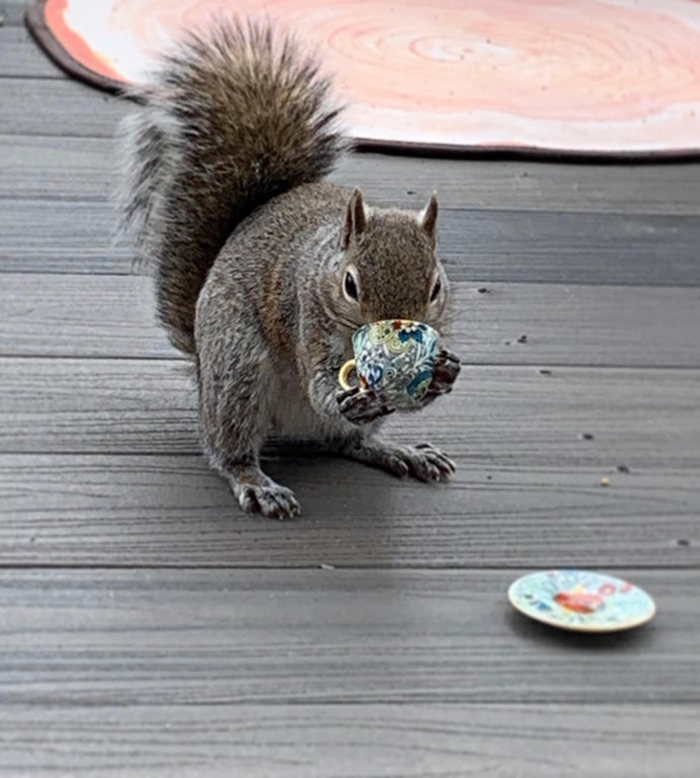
(263, 270)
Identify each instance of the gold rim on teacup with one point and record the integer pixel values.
(344, 374)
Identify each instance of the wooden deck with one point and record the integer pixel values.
(149, 629)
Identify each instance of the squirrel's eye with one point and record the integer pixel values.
(350, 286)
(436, 291)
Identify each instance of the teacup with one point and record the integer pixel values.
(395, 356)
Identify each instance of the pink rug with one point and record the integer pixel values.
(579, 77)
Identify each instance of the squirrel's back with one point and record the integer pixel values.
(234, 117)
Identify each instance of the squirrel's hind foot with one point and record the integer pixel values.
(423, 462)
(258, 493)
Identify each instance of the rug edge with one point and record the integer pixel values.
(35, 21)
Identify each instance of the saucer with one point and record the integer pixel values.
(581, 600)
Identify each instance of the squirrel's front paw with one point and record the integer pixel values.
(271, 500)
(423, 462)
(445, 372)
(362, 407)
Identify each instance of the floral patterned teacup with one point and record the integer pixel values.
(395, 356)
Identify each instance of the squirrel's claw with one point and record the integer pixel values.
(423, 462)
(267, 498)
(447, 369)
(445, 372)
(362, 407)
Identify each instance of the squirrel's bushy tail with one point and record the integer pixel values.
(234, 117)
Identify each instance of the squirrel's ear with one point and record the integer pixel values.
(427, 218)
(355, 219)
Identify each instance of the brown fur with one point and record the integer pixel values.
(252, 252)
(232, 118)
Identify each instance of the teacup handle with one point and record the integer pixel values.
(344, 374)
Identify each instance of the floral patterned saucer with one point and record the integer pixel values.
(581, 600)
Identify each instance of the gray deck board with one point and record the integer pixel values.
(113, 316)
(57, 107)
(489, 245)
(509, 415)
(342, 741)
(50, 237)
(21, 58)
(148, 629)
(198, 637)
(12, 11)
(164, 510)
(79, 168)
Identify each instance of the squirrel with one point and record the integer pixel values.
(263, 270)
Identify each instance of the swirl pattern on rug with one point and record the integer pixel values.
(587, 76)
